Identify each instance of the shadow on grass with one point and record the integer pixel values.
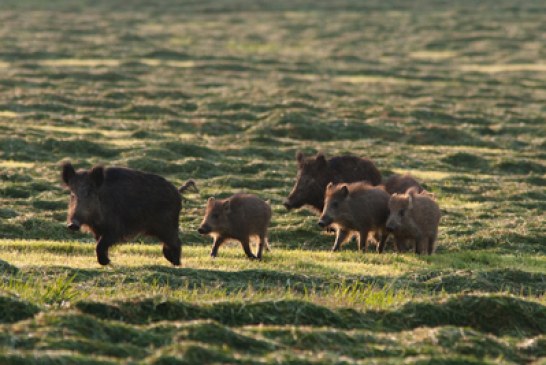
(499, 315)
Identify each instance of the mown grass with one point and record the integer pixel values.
(226, 93)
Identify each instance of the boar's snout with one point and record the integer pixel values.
(204, 229)
(73, 225)
(287, 204)
(391, 226)
(325, 221)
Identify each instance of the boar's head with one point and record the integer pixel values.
(84, 186)
(335, 204)
(400, 206)
(216, 217)
(311, 181)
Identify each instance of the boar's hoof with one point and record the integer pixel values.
(103, 260)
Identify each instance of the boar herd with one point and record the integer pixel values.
(348, 192)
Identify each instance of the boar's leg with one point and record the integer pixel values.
(341, 236)
(384, 236)
(216, 245)
(401, 244)
(363, 238)
(263, 243)
(246, 247)
(421, 244)
(431, 241)
(103, 244)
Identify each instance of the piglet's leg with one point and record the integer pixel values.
(216, 245)
(246, 247)
(103, 244)
(341, 236)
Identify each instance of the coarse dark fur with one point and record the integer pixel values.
(401, 183)
(238, 217)
(314, 174)
(117, 203)
(356, 207)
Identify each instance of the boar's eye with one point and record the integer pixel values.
(215, 216)
(335, 205)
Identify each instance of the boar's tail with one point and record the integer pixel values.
(187, 185)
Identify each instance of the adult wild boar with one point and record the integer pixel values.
(415, 217)
(117, 203)
(314, 174)
(356, 207)
(238, 217)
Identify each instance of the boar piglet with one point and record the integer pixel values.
(116, 203)
(415, 217)
(356, 207)
(401, 183)
(314, 173)
(238, 217)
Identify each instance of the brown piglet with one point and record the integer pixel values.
(415, 217)
(238, 217)
(356, 207)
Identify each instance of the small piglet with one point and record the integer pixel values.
(356, 207)
(401, 183)
(117, 203)
(238, 217)
(414, 216)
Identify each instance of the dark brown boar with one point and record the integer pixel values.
(356, 207)
(238, 217)
(401, 183)
(414, 217)
(117, 203)
(314, 174)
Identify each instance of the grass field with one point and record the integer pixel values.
(226, 92)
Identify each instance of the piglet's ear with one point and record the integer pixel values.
(68, 172)
(330, 186)
(97, 175)
(410, 202)
(300, 157)
(344, 191)
(211, 200)
(226, 205)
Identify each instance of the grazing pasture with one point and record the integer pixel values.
(226, 93)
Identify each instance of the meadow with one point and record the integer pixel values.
(226, 93)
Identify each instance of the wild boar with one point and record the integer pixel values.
(314, 174)
(415, 217)
(401, 183)
(117, 203)
(355, 207)
(238, 217)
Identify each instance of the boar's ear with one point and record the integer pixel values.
(321, 159)
(344, 191)
(410, 202)
(97, 175)
(329, 186)
(68, 172)
(226, 206)
(300, 157)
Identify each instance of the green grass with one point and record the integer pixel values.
(226, 93)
